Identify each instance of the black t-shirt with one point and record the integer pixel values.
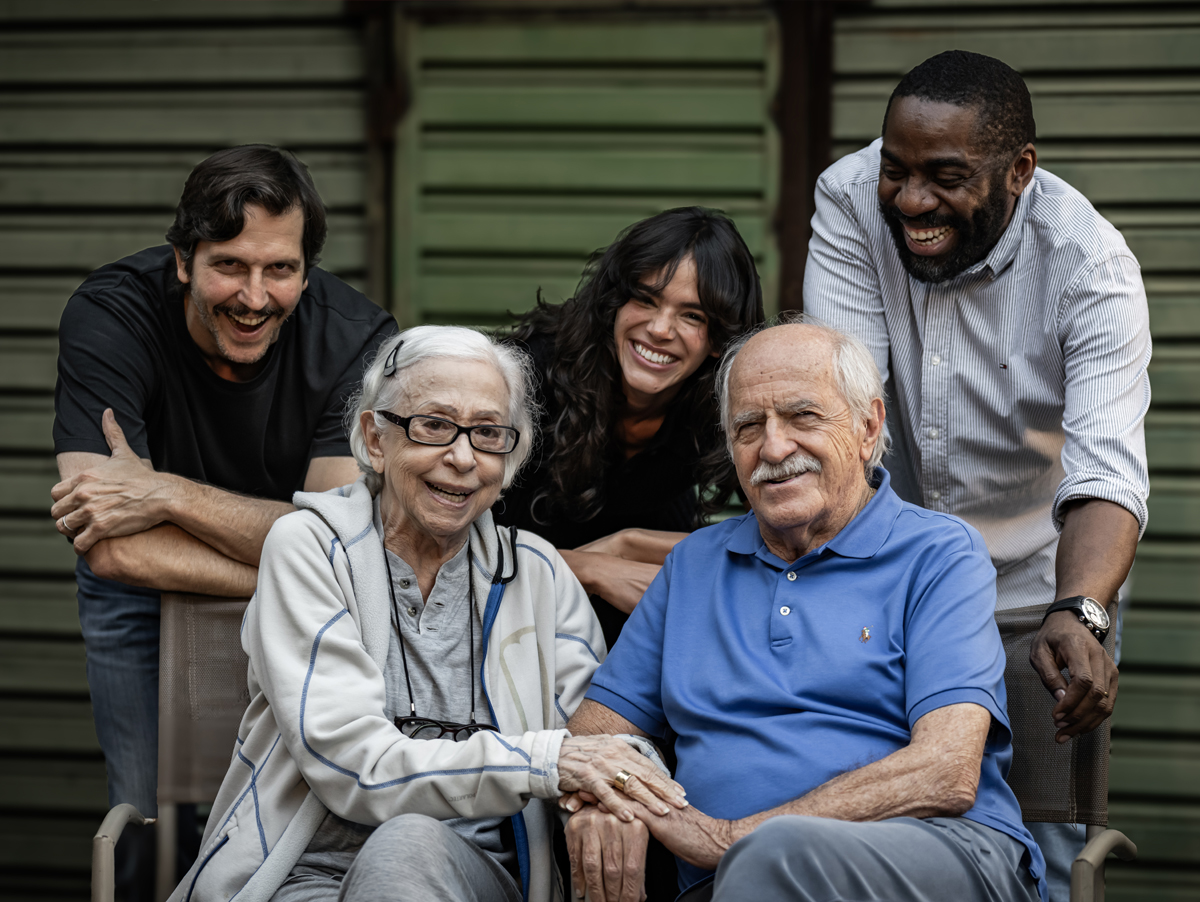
(654, 489)
(124, 344)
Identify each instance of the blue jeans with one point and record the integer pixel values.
(120, 633)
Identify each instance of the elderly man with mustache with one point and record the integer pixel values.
(829, 663)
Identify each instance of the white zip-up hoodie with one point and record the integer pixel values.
(315, 737)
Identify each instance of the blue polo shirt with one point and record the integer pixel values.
(777, 677)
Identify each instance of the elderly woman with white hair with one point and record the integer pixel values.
(413, 666)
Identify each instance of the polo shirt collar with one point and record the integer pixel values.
(862, 537)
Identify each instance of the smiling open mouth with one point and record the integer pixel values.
(447, 494)
(927, 237)
(653, 356)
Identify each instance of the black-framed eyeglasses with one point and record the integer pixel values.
(436, 431)
(428, 728)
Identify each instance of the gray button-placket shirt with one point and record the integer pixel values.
(1019, 385)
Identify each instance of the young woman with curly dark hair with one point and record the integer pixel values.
(632, 457)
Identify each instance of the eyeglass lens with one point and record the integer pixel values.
(425, 728)
(435, 431)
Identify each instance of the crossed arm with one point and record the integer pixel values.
(161, 531)
(936, 774)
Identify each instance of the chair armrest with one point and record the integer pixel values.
(1090, 861)
(104, 842)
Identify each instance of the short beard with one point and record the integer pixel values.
(790, 466)
(209, 318)
(976, 236)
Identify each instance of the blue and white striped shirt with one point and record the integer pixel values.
(1017, 386)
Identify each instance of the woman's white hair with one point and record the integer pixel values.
(380, 392)
(854, 368)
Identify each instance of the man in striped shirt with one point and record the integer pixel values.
(1010, 320)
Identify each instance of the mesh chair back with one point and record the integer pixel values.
(1053, 783)
(202, 694)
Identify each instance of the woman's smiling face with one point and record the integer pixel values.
(439, 491)
(663, 339)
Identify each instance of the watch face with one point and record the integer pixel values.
(1095, 613)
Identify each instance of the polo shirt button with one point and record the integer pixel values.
(791, 577)
(785, 610)
(404, 584)
(412, 612)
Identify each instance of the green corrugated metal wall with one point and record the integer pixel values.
(104, 108)
(1116, 91)
(530, 143)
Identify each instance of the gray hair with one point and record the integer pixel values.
(854, 368)
(380, 392)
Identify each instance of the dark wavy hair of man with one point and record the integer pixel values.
(585, 374)
(213, 205)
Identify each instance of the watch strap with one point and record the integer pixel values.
(1074, 603)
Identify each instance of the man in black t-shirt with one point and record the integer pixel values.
(199, 385)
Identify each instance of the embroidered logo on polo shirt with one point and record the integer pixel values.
(865, 635)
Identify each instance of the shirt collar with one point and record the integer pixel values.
(862, 537)
(1005, 251)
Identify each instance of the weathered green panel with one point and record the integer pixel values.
(34, 302)
(1167, 573)
(1154, 702)
(1161, 638)
(53, 12)
(457, 295)
(57, 843)
(705, 43)
(34, 546)
(574, 106)
(1158, 767)
(283, 54)
(39, 606)
(83, 242)
(594, 170)
(54, 785)
(895, 50)
(1174, 306)
(1163, 832)
(1174, 506)
(40, 725)
(577, 235)
(28, 363)
(1139, 883)
(26, 423)
(25, 484)
(1172, 438)
(41, 666)
(75, 180)
(199, 119)
(1130, 181)
(1141, 108)
(1175, 374)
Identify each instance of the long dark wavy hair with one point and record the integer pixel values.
(584, 375)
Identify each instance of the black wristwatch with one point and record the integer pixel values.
(1090, 612)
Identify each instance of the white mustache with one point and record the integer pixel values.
(791, 466)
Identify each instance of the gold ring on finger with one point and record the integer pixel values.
(621, 779)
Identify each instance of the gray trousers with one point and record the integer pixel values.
(937, 859)
(410, 857)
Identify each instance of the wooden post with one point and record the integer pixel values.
(803, 114)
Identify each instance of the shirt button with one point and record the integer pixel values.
(404, 583)
(935, 496)
(412, 612)
(791, 576)
(933, 433)
(935, 360)
(785, 610)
